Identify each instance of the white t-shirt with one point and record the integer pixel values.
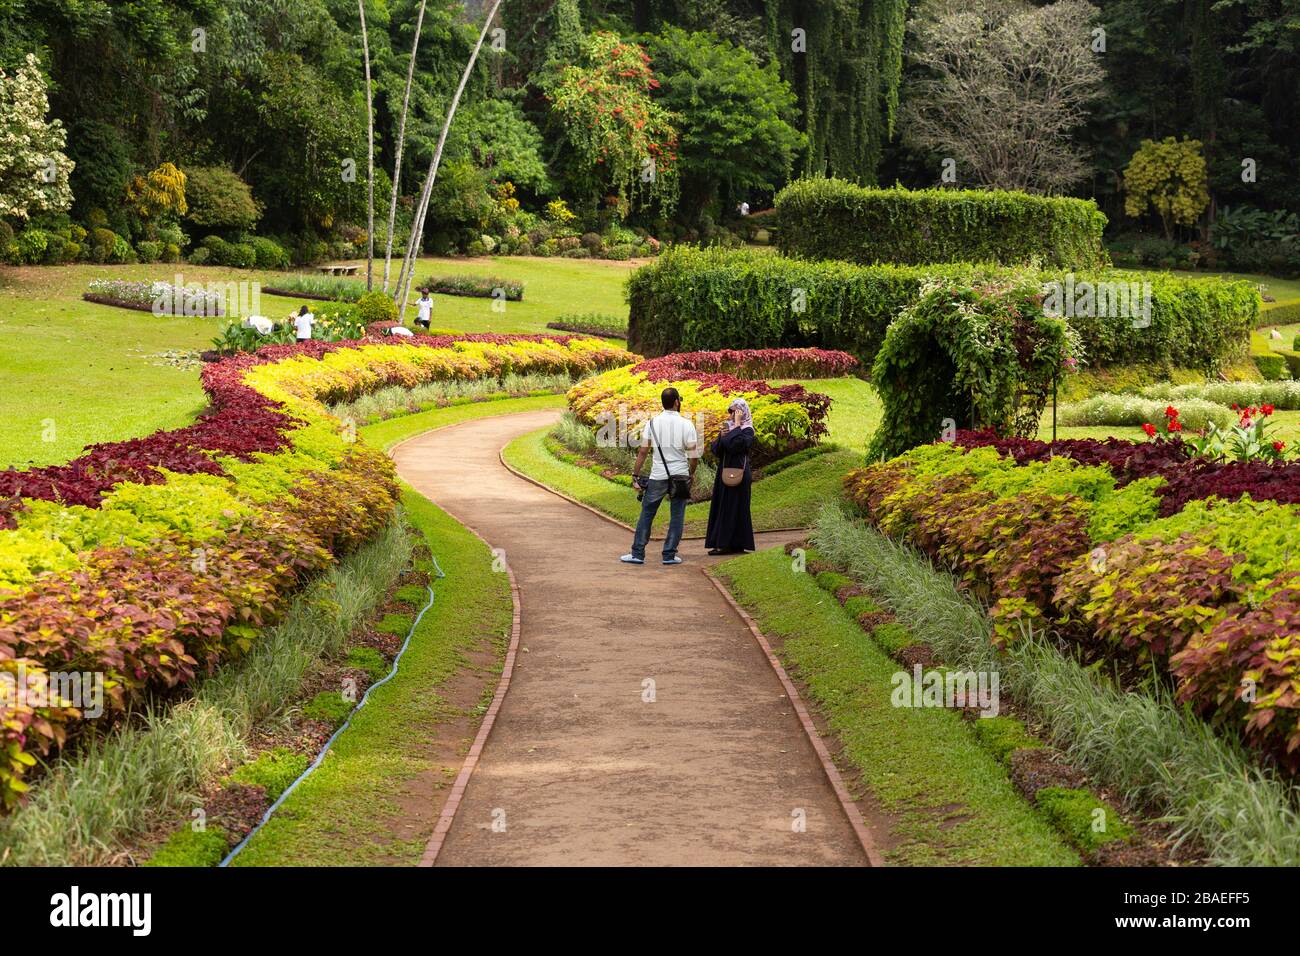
(302, 326)
(676, 436)
(424, 309)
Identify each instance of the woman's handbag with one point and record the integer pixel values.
(679, 487)
(731, 477)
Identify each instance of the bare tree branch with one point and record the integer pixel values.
(1002, 87)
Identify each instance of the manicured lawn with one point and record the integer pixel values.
(951, 800)
(349, 811)
(73, 373)
(855, 409)
(1284, 291)
(388, 433)
(552, 287)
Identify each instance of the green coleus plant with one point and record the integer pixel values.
(1144, 600)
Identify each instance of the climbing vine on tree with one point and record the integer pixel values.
(626, 144)
(982, 354)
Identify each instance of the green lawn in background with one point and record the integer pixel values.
(951, 802)
(73, 373)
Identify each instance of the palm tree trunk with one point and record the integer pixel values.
(417, 231)
(401, 139)
(370, 154)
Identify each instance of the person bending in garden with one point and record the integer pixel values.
(731, 529)
(302, 323)
(673, 445)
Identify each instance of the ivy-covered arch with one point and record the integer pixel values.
(985, 356)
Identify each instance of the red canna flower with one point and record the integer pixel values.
(1266, 409)
(1279, 445)
(1149, 429)
(1171, 412)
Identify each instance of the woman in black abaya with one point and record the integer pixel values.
(731, 530)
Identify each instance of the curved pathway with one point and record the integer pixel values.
(582, 768)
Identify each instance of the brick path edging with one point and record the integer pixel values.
(452, 804)
(810, 729)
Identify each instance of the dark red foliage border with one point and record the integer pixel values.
(240, 422)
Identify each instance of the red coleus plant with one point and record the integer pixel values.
(1128, 460)
(1247, 668)
(722, 370)
(1145, 599)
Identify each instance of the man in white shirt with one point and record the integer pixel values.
(424, 309)
(302, 323)
(672, 440)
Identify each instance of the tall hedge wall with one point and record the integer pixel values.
(834, 219)
(693, 299)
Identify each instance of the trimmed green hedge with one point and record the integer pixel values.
(705, 299)
(835, 219)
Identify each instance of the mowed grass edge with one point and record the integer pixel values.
(348, 811)
(952, 802)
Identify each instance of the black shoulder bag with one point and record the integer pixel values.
(679, 488)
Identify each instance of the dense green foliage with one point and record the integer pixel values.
(966, 353)
(707, 299)
(834, 219)
(736, 117)
(218, 199)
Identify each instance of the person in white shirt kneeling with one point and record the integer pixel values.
(675, 446)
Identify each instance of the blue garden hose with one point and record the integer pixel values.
(347, 723)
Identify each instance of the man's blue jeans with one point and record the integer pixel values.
(655, 490)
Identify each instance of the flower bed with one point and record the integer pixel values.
(1133, 552)
(151, 561)
(786, 418)
(591, 323)
(160, 298)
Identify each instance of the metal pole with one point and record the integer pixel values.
(1055, 379)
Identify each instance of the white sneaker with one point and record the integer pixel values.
(632, 559)
(675, 559)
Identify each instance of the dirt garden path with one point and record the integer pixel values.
(579, 768)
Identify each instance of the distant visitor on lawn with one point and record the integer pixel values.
(424, 308)
(676, 453)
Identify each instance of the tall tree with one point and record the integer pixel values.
(844, 59)
(401, 140)
(1003, 88)
(417, 228)
(370, 154)
(735, 117)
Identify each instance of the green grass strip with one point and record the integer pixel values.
(954, 803)
(347, 810)
(190, 848)
(1088, 821)
(389, 432)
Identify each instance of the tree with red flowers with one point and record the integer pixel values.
(625, 144)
